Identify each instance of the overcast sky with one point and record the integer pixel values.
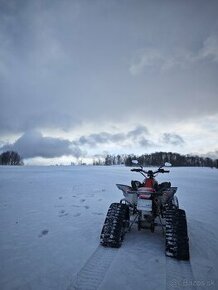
(79, 78)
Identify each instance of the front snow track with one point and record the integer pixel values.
(177, 242)
(114, 228)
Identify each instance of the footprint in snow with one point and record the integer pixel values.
(43, 233)
(100, 199)
(82, 200)
(62, 213)
(60, 197)
(75, 205)
(97, 213)
(86, 207)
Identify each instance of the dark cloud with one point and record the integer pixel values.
(145, 143)
(100, 138)
(33, 144)
(139, 130)
(133, 136)
(63, 63)
(172, 138)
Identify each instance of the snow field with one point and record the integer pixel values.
(51, 219)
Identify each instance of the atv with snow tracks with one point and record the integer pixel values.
(148, 204)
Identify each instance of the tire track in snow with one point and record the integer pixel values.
(93, 272)
(139, 265)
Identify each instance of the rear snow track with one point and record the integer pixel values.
(93, 272)
(143, 254)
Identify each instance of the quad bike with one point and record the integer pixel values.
(148, 205)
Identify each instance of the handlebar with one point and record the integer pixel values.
(137, 169)
(150, 172)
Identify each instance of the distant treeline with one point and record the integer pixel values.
(158, 158)
(10, 158)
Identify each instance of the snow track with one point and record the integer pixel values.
(138, 265)
(93, 272)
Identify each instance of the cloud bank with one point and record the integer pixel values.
(33, 144)
(134, 136)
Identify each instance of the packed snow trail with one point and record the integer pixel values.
(141, 255)
(139, 264)
(110, 268)
(92, 273)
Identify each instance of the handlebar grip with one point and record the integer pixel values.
(161, 170)
(136, 169)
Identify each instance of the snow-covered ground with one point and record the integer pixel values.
(51, 219)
